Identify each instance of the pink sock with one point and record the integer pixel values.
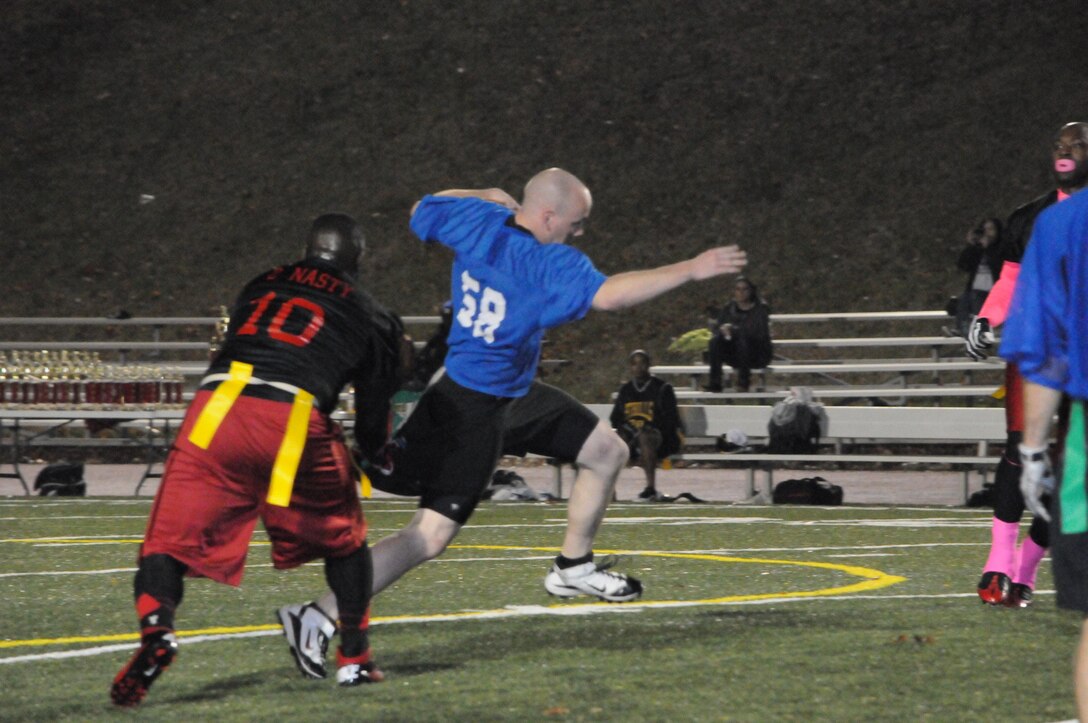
(1002, 547)
(1030, 557)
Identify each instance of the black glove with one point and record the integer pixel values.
(380, 460)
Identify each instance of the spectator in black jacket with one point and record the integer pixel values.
(740, 337)
(981, 261)
(645, 416)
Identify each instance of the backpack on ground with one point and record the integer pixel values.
(807, 491)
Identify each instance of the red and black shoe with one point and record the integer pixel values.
(154, 656)
(1021, 596)
(994, 588)
(357, 670)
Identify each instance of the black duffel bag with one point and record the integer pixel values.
(807, 491)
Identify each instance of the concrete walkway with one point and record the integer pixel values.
(717, 485)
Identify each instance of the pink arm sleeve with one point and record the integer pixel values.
(996, 306)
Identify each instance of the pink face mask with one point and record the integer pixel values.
(1064, 165)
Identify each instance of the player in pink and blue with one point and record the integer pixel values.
(1047, 336)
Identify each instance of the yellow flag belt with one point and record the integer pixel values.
(294, 439)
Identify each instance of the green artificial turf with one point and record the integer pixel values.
(750, 613)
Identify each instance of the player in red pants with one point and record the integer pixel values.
(257, 441)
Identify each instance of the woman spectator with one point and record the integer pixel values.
(740, 337)
(981, 261)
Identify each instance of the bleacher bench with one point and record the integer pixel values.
(899, 369)
(848, 426)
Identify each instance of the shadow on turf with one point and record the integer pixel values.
(223, 688)
(795, 617)
(407, 668)
(636, 634)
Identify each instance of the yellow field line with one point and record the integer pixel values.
(871, 580)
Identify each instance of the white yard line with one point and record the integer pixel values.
(514, 611)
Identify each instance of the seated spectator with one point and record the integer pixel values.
(740, 337)
(981, 261)
(645, 416)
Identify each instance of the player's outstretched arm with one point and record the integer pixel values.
(634, 287)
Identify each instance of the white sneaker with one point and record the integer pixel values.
(308, 630)
(356, 674)
(592, 579)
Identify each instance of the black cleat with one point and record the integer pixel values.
(358, 670)
(154, 656)
(353, 674)
(994, 588)
(1021, 596)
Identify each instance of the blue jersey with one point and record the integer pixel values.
(507, 288)
(1046, 333)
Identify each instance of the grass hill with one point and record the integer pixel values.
(153, 156)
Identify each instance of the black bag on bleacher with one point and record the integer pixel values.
(61, 480)
(807, 491)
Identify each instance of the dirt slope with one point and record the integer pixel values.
(155, 155)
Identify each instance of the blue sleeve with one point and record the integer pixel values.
(1034, 336)
(465, 225)
(429, 216)
(571, 281)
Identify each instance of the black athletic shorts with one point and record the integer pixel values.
(1069, 513)
(452, 441)
(452, 438)
(549, 422)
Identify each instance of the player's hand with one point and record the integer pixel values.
(382, 461)
(1036, 479)
(716, 261)
(980, 338)
(501, 197)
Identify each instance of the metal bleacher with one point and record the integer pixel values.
(915, 386)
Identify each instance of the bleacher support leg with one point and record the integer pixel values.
(755, 494)
(16, 473)
(768, 485)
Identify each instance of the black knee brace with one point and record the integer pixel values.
(351, 578)
(1040, 532)
(160, 576)
(1008, 502)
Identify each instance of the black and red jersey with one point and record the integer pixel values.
(1017, 232)
(307, 324)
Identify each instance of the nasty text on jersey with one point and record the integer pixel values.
(313, 278)
(482, 308)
